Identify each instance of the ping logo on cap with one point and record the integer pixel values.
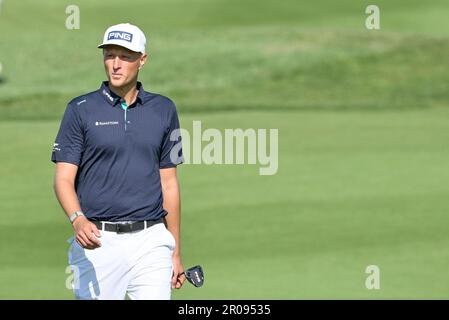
(120, 35)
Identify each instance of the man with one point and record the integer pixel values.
(116, 180)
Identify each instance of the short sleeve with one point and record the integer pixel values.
(68, 146)
(171, 149)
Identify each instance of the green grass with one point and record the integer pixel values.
(363, 130)
(221, 55)
(352, 190)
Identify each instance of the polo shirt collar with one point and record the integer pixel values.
(113, 99)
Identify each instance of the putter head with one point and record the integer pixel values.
(195, 276)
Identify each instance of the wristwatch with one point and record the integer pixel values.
(75, 215)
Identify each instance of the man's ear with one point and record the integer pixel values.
(143, 60)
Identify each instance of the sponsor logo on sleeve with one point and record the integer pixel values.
(56, 147)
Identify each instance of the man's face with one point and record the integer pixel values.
(122, 65)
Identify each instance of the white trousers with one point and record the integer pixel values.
(137, 263)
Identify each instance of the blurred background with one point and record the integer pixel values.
(363, 123)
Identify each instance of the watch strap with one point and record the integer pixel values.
(75, 215)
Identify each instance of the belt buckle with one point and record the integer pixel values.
(121, 227)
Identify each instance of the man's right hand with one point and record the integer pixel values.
(86, 233)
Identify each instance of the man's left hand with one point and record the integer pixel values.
(178, 276)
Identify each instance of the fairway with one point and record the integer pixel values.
(353, 189)
(363, 123)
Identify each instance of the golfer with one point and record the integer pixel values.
(116, 154)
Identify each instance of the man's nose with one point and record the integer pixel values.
(116, 64)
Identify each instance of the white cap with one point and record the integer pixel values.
(125, 35)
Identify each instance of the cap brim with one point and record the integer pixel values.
(120, 44)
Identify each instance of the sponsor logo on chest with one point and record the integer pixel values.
(106, 123)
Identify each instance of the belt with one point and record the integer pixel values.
(126, 227)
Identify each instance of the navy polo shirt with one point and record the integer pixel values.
(119, 152)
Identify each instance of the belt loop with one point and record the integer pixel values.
(102, 226)
(145, 224)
